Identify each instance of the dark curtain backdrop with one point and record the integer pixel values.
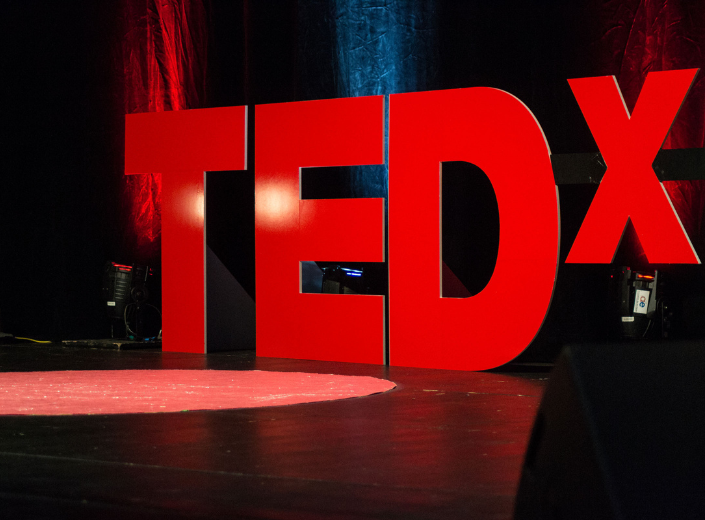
(74, 68)
(60, 166)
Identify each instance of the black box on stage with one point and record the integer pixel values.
(620, 434)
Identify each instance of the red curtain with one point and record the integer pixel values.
(164, 58)
(640, 36)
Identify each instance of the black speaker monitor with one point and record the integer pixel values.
(620, 434)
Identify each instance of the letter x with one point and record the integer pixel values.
(630, 189)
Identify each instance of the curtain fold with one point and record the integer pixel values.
(641, 36)
(164, 55)
(383, 48)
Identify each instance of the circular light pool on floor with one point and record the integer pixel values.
(153, 391)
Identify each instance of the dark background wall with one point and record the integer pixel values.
(72, 69)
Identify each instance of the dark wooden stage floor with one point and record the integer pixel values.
(443, 445)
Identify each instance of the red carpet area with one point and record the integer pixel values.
(151, 391)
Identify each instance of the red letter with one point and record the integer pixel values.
(630, 188)
(182, 146)
(289, 230)
(497, 133)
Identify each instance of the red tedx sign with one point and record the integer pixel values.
(182, 146)
(288, 230)
(483, 126)
(629, 145)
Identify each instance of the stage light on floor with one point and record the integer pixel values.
(125, 292)
(343, 280)
(637, 308)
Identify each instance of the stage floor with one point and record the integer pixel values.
(443, 444)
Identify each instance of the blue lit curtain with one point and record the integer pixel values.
(383, 47)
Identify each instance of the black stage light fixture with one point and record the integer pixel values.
(343, 280)
(637, 308)
(125, 291)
